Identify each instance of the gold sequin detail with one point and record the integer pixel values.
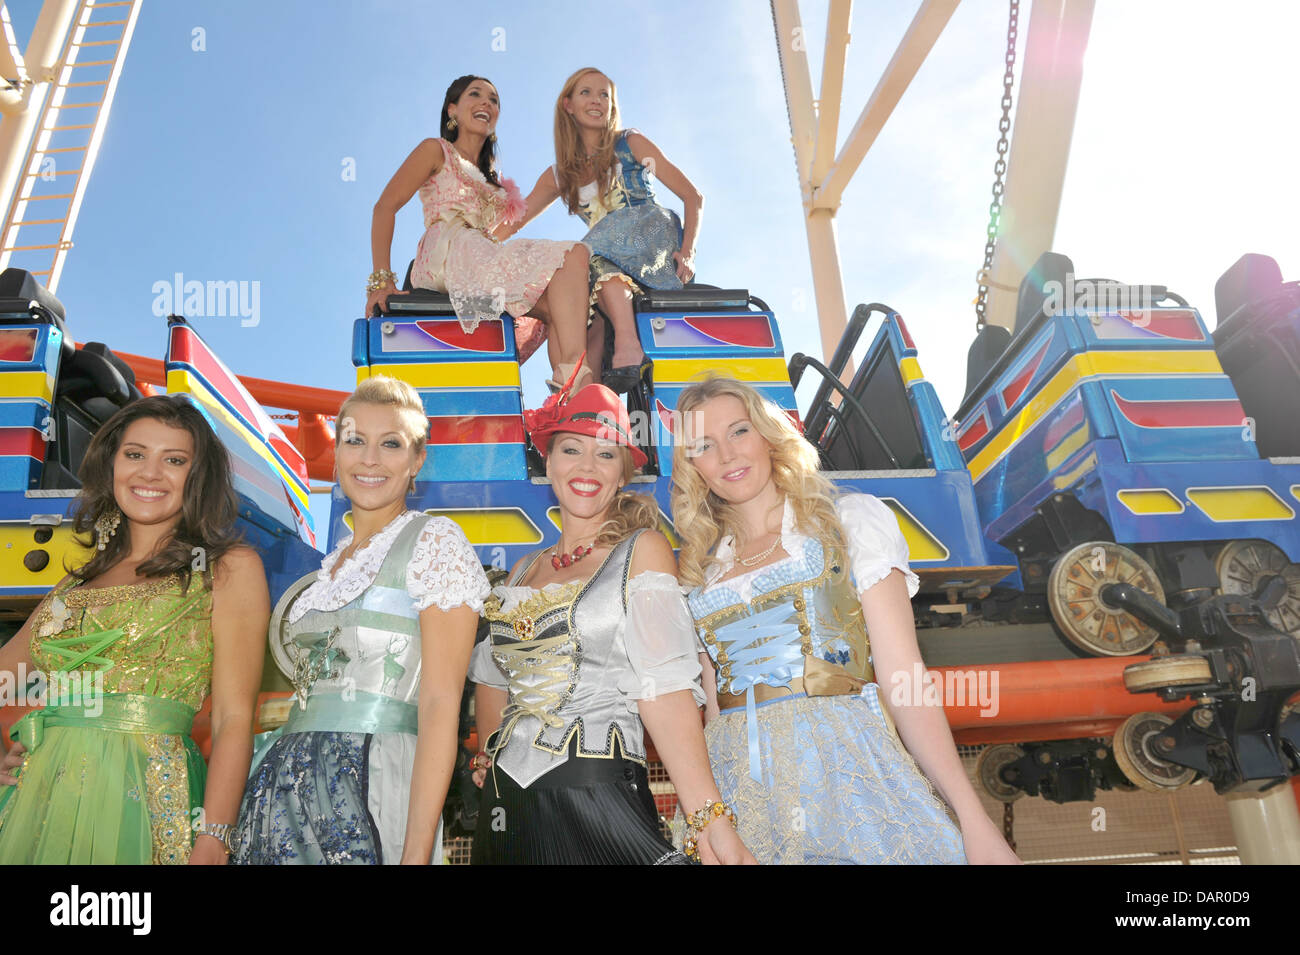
(166, 649)
(167, 785)
(535, 606)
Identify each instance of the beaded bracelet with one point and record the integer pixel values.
(380, 278)
(696, 821)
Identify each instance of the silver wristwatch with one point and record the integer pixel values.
(221, 831)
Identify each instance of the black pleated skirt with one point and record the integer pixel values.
(588, 811)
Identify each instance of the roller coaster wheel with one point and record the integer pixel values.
(1135, 752)
(1243, 565)
(1074, 596)
(1180, 670)
(988, 769)
(278, 629)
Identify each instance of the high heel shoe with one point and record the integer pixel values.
(626, 377)
(576, 374)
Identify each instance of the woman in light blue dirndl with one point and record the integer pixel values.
(786, 583)
(604, 174)
(382, 641)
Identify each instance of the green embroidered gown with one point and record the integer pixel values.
(112, 775)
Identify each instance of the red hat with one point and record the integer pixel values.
(594, 411)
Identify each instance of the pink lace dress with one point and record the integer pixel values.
(482, 276)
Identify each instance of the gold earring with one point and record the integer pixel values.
(492, 138)
(451, 123)
(410, 489)
(106, 526)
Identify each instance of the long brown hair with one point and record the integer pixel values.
(572, 170)
(702, 518)
(487, 155)
(208, 506)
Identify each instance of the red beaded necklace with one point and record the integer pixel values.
(559, 561)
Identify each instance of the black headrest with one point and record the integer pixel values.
(21, 284)
(1251, 278)
(987, 348)
(125, 370)
(1050, 267)
(92, 374)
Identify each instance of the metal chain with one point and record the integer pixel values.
(1008, 825)
(984, 276)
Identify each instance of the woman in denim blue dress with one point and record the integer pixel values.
(604, 175)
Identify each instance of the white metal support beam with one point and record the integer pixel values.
(814, 127)
(14, 81)
(40, 65)
(915, 46)
(828, 285)
(791, 52)
(832, 88)
(53, 168)
(1040, 146)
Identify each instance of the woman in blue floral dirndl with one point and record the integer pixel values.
(787, 582)
(382, 638)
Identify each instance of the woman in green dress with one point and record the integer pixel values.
(168, 609)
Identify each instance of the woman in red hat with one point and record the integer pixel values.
(591, 644)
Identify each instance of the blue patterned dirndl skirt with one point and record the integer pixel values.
(638, 241)
(838, 786)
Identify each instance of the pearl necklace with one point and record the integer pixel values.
(759, 558)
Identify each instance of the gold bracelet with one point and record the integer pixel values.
(379, 278)
(698, 820)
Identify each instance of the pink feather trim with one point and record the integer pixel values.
(516, 207)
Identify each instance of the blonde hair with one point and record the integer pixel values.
(572, 171)
(702, 518)
(628, 511)
(395, 394)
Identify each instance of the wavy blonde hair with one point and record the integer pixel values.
(572, 171)
(398, 395)
(628, 511)
(702, 518)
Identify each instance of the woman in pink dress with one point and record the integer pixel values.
(465, 208)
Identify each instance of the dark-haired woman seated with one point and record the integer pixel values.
(168, 609)
(466, 209)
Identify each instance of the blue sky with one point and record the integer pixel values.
(226, 163)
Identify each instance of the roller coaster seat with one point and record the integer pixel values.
(1258, 343)
(990, 342)
(419, 301)
(24, 300)
(693, 296)
(1047, 285)
(91, 387)
(993, 342)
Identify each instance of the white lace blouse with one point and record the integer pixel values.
(444, 571)
(659, 637)
(875, 542)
